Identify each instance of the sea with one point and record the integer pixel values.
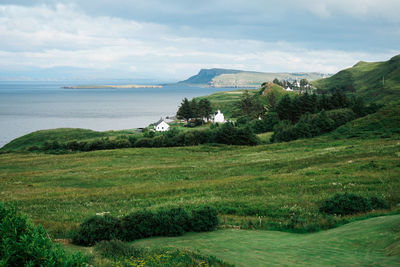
(30, 106)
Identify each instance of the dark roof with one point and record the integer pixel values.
(158, 122)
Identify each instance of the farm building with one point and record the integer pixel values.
(161, 126)
(219, 117)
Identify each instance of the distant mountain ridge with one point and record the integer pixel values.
(238, 78)
(374, 81)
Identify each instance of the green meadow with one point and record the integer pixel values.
(372, 242)
(278, 186)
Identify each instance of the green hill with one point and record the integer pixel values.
(375, 81)
(61, 135)
(240, 78)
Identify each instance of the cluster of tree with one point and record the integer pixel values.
(194, 109)
(300, 116)
(226, 133)
(293, 108)
(311, 125)
(301, 85)
(142, 224)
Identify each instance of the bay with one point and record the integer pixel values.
(30, 106)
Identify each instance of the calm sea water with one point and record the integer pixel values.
(27, 107)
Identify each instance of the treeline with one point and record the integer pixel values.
(302, 116)
(143, 224)
(226, 133)
(194, 109)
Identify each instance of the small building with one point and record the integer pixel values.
(161, 126)
(219, 117)
(289, 89)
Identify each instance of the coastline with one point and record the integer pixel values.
(127, 86)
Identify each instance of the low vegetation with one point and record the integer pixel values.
(24, 244)
(142, 224)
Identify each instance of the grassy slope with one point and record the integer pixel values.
(275, 181)
(226, 101)
(363, 243)
(367, 80)
(61, 135)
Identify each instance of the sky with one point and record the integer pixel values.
(172, 40)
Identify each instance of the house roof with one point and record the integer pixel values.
(158, 122)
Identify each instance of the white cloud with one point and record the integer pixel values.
(45, 37)
(363, 9)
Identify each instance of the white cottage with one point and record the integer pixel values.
(219, 117)
(161, 126)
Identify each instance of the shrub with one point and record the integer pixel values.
(144, 142)
(204, 219)
(97, 228)
(137, 225)
(171, 222)
(116, 249)
(24, 244)
(345, 204)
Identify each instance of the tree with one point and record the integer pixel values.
(194, 109)
(204, 108)
(185, 110)
(271, 101)
(284, 108)
(250, 106)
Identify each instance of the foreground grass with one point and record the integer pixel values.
(283, 183)
(363, 243)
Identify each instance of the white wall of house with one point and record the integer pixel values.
(219, 117)
(161, 127)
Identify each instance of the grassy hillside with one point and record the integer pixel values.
(285, 183)
(61, 135)
(375, 81)
(363, 243)
(226, 101)
(382, 124)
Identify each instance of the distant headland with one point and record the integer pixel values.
(111, 86)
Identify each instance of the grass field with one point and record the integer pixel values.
(285, 183)
(372, 242)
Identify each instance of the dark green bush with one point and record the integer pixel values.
(24, 244)
(142, 224)
(97, 228)
(204, 219)
(171, 222)
(144, 142)
(345, 204)
(137, 225)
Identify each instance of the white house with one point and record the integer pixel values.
(161, 126)
(289, 89)
(219, 117)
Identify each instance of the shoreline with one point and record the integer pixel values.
(111, 86)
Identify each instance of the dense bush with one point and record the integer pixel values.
(204, 219)
(171, 222)
(345, 204)
(97, 228)
(24, 244)
(142, 224)
(137, 225)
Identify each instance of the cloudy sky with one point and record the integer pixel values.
(170, 40)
